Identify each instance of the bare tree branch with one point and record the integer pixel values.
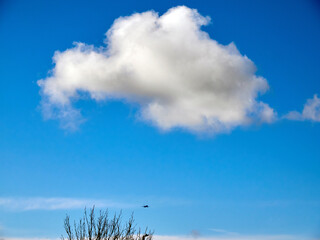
(91, 227)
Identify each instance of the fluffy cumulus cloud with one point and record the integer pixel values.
(169, 67)
(311, 111)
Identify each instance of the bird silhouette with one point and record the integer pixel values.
(145, 206)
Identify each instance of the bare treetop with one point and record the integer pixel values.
(90, 227)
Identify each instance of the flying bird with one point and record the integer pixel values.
(145, 206)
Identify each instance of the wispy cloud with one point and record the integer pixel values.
(36, 238)
(168, 237)
(39, 203)
(236, 237)
(223, 231)
(310, 112)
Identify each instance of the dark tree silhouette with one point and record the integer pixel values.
(90, 227)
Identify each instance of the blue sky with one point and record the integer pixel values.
(241, 180)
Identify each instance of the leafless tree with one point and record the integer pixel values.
(90, 227)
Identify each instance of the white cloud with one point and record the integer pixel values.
(311, 111)
(177, 75)
(223, 237)
(13, 238)
(234, 237)
(222, 231)
(38, 203)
